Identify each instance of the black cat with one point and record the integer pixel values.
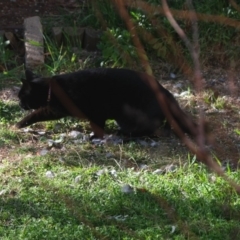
(100, 94)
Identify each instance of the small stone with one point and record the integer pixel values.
(170, 168)
(120, 218)
(43, 152)
(41, 133)
(127, 188)
(97, 141)
(101, 172)
(158, 171)
(85, 138)
(173, 229)
(143, 143)
(113, 139)
(113, 172)
(212, 178)
(179, 85)
(26, 130)
(103, 141)
(154, 144)
(50, 174)
(185, 93)
(75, 134)
(143, 166)
(172, 75)
(2, 192)
(60, 140)
(77, 179)
(56, 143)
(50, 142)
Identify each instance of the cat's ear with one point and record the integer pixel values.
(23, 80)
(30, 75)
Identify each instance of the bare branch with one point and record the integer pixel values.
(235, 5)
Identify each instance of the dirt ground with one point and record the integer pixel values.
(221, 81)
(13, 12)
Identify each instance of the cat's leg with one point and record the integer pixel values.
(39, 115)
(97, 128)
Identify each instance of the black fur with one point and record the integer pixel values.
(120, 94)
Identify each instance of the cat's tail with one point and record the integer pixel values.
(182, 123)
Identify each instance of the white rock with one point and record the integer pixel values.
(77, 179)
(2, 192)
(158, 171)
(127, 188)
(143, 166)
(75, 134)
(154, 144)
(172, 75)
(50, 174)
(185, 93)
(178, 85)
(43, 152)
(113, 172)
(101, 172)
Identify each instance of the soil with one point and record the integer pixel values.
(221, 82)
(13, 12)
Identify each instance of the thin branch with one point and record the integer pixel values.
(201, 152)
(235, 5)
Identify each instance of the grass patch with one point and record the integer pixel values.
(9, 111)
(75, 192)
(77, 203)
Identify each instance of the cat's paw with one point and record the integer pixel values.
(20, 124)
(94, 136)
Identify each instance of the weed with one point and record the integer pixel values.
(8, 112)
(214, 100)
(59, 58)
(237, 131)
(6, 56)
(8, 137)
(114, 54)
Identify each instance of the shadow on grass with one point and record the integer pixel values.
(135, 215)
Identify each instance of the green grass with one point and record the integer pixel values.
(36, 207)
(78, 203)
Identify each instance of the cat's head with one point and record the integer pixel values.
(34, 91)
